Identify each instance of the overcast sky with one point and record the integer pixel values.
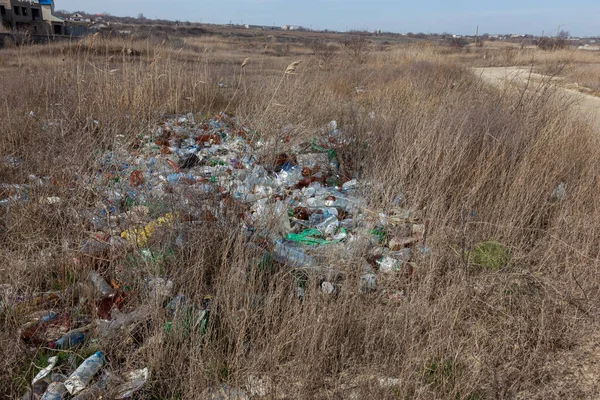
(579, 17)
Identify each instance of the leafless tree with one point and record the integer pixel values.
(356, 46)
(324, 52)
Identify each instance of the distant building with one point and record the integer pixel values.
(78, 17)
(36, 16)
(263, 27)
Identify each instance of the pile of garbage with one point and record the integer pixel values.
(296, 209)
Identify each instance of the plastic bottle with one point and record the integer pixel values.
(98, 390)
(342, 203)
(329, 226)
(176, 303)
(320, 215)
(68, 341)
(350, 185)
(55, 391)
(316, 219)
(51, 316)
(368, 283)
(292, 256)
(314, 202)
(82, 376)
(101, 285)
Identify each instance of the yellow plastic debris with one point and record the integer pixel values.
(139, 236)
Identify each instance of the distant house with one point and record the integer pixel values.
(78, 17)
(36, 16)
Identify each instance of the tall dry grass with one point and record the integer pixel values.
(482, 163)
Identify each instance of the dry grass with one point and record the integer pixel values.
(483, 164)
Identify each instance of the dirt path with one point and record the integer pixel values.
(520, 77)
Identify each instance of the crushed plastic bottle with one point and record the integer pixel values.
(134, 381)
(82, 376)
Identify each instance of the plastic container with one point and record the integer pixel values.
(82, 376)
(55, 391)
(70, 340)
(292, 256)
(101, 285)
(329, 226)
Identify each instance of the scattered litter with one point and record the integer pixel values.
(297, 209)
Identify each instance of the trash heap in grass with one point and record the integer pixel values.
(294, 208)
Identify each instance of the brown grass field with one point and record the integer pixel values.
(483, 162)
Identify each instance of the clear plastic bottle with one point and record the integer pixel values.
(350, 185)
(328, 226)
(82, 376)
(55, 391)
(292, 256)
